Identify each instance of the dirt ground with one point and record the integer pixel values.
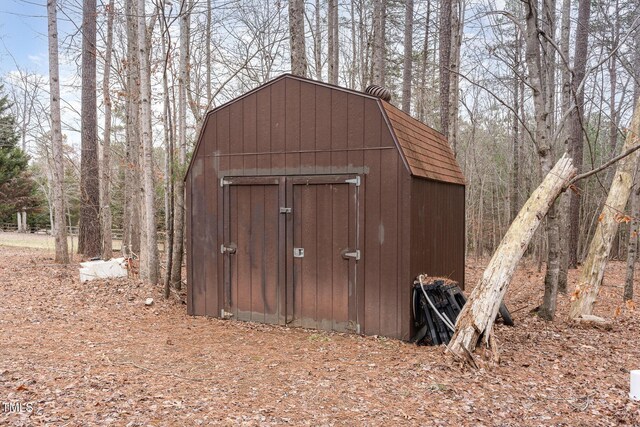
(93, 354)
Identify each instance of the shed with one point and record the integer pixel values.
(312, 205)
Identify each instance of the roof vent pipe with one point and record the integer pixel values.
(379, 92)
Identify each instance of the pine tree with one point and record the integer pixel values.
(16, 187)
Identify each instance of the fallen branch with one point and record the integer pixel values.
(603, 166)
(595, 262)
(480, 311)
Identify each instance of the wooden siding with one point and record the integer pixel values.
(295, 127)
(437, 229)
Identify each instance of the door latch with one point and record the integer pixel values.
(355, 255)
(298, 252)
(227, 249)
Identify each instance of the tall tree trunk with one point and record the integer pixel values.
(632, 251)
(149, 264)
(595, 262)
(407, 71)
(445, 62)
(632, 248)
(332, 41)
(365, 76)
(565, 33)
(169, 148)
(548, 308)
(317, 42)
(208, 54)
(613, 111)
(179, 208)
(59, 228)
(296, 38)
(577, 136)
(132, 176)
(479, 313)
(537, 82)
(457, 28)
(89, 242)
(105, 194)
(515, 128)
(423, 66)
(379, 22)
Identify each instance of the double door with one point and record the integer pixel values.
(291, 250)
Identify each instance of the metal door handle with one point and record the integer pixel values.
(355, 254)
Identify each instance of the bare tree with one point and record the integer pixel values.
(296, 38)
(89, 242)
(378, 61)
(333, 42)
(576, 143)
(565, 32)
(423, 65)
(632, 248)
(457, 28)
(535, 56)
(407, 70)
(178, 224)
(149, 266)
(317, 42)
(445, 62)
(479, 313)
(132, 178)
(59, 228)
(517, 143)
(592, 272)
(105, 194)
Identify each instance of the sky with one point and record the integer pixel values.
(24, 46)
(23, 35)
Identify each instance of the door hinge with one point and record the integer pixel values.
(285, 210)
(224, 182)
(355, 181)
(355, 254)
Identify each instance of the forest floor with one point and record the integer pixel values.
(93, 354)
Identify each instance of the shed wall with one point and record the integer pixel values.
(290, 127)
(437, 229)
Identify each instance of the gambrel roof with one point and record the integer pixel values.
(425, 152)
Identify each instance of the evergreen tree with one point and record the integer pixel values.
(12, 159)
(17, 190)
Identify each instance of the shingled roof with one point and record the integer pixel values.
(427, 152)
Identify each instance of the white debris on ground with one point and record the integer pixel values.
(101, 269)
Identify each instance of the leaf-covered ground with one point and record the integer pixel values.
(94, 354)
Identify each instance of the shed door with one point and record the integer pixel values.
(252, 246)
(322, 245)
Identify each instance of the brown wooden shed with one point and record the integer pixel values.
(316, 206)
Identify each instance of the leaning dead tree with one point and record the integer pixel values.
(612, 214)
(479, 313)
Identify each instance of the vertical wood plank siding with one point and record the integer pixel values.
(407, 225)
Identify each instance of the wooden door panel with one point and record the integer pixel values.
(321, 219)
(252, 276)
